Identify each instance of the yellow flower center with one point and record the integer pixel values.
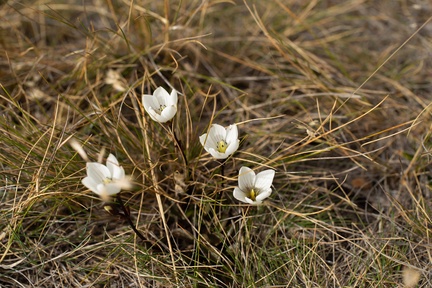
(107, 180)
(221, 146)
(252, 195)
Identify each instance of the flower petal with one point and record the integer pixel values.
(250, 201)
(112, 188)
(231, 134)
(150, 102)
(217, 133)
(246, 178)
(156, 116)
(204, 141)
(207, 142)
(239, 195)
(112, 164)
(263, 195)
(90, 184)
(101, 190)
(232, 147)
(97, 172)
(173, 99)
(216, 154)
(161, 95)
(264, 180)
(168, 113)
(117, 171)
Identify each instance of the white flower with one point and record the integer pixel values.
(253, 189)
(105, 180)
(220, 142)
(161, 106)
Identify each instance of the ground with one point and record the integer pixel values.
(334, 96)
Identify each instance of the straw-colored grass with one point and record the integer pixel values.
(332, 95)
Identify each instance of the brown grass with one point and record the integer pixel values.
(333, 95)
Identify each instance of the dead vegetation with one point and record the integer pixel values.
(333, 95)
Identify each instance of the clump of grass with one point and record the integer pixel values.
(329, 95)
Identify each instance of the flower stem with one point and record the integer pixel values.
(222, 174)
(128, 218)
(178, 145)
(222, 170)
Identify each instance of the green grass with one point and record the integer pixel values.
(330, 95)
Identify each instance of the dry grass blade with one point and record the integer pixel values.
(332, 95)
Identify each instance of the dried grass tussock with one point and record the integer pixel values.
(332, 104)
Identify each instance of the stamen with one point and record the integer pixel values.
(221, 146)
(252, 195)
